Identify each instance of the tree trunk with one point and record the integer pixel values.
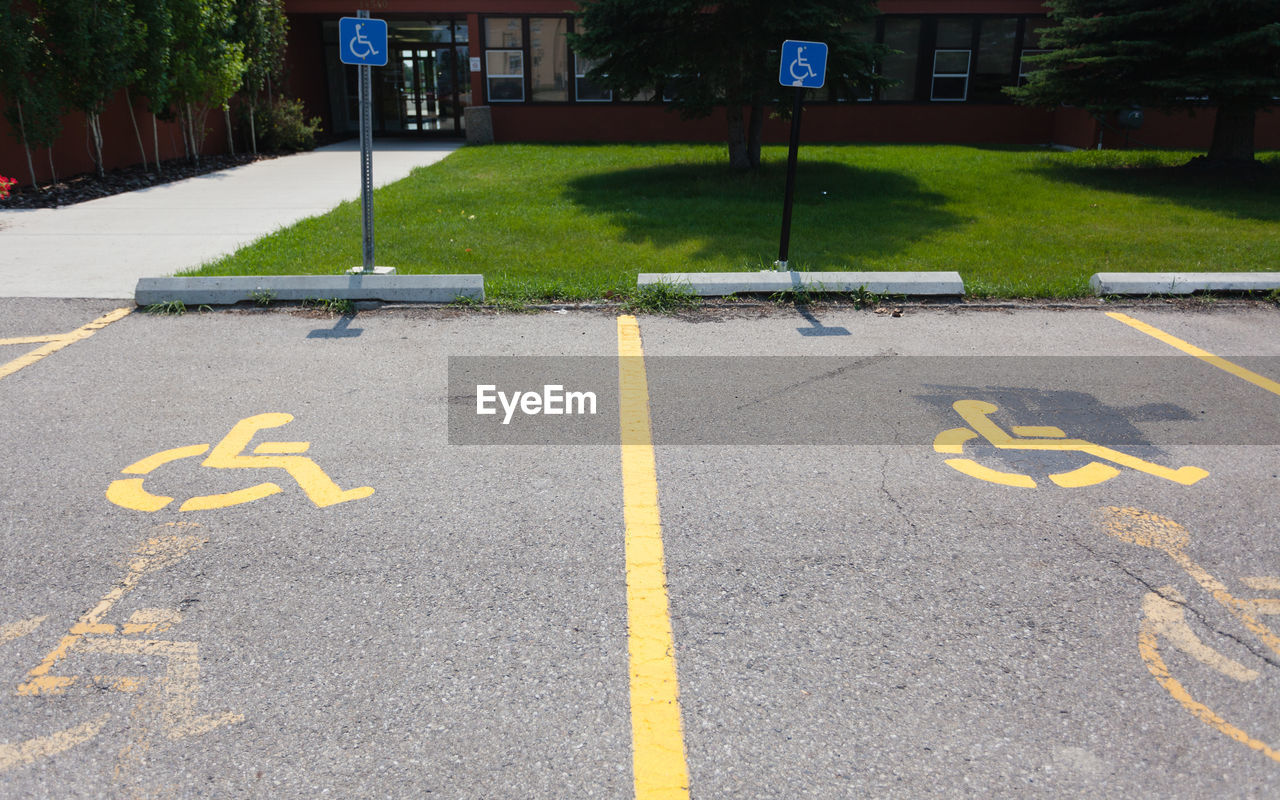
(53, 173)
(155, 138)
(253, 131)
(755, 131)
(95, 133)
(196, 143)
(226, 115)
(1233, 134)
(182, 129)
(136, 130)
(739, 159)
(22, 128)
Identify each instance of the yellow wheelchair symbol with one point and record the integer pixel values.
(229, 454)
(1164, 621)
(1045, 438)
(167, 705)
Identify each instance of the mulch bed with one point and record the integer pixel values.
(79, 188)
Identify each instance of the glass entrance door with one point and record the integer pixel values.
(429, 99)
(421, 91)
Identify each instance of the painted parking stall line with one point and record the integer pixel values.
(54, 343)
(658, 751)
(1204, 355)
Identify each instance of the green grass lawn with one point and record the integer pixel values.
(580, 222)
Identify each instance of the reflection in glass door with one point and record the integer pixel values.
(428, 98)
(421, 91)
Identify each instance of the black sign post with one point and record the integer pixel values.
(792, 158)
(804, 66)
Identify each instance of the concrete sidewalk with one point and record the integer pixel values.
(101, 248)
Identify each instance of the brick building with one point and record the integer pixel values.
(512, 56)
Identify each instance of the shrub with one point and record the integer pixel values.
(282, 127)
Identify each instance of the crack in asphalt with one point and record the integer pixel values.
(1262, 655)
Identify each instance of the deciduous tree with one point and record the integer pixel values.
(207, 63)
(28, 80)
(699, 56)
(93, 43)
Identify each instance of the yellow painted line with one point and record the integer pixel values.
(146, 465)
(32, 339)
(1146, 529)
(227, 499)
(157, 553)
(17, 630)
(1164, 615)
(658, 754)
(1149, 648)
(53, 345)
(1204, 355)
(13, 755)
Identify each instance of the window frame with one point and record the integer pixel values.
(489, 76)
(935, 75)
(580, 75)
(526, 59)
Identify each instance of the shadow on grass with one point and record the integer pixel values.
(841, 213)
(1252, 193)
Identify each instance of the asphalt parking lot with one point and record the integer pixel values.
(1008, 552)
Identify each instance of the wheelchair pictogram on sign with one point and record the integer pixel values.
(804, 64)
(363, 41)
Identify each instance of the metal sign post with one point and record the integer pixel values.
(803, 66)
(363, 42)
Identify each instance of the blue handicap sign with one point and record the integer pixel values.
(804, 64)
(363, 41)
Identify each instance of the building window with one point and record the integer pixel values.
(865, 31)
(1031, 28)
(901, 34)
(505, 69)
(950, 75)
(995, 64)
(586, 90)
(549, 59)
(527, 58)
(504, 59)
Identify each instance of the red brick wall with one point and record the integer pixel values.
(71, 151)
(820, 123)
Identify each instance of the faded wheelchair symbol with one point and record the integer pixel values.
(229, 454)
(1164, 618)
(166, 704)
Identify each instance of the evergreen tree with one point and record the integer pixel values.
(1111, 54)
(701, 55)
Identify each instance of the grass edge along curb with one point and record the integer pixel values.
(232, 289)
(1013, 221)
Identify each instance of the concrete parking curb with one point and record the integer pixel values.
(1145, 283)
(229, 290)
(719, 284)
